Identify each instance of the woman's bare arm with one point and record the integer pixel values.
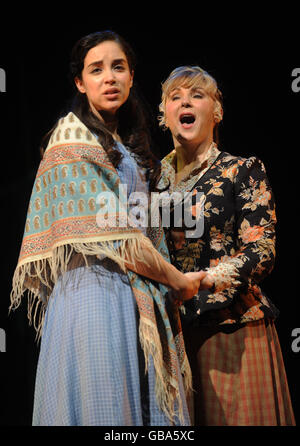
(155, 267)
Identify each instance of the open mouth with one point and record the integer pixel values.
(112, 93)
(187, 119)
(112, 90)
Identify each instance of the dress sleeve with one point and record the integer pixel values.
(255, 229)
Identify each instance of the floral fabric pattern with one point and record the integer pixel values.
(237, 247)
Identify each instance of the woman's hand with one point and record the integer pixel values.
(187, 288)
(191, 284)
(207, 282)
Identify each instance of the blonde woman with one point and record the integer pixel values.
(238, 371)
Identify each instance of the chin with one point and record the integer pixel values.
(109, 110)
(187, 138)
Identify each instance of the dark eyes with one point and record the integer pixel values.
(118, 68)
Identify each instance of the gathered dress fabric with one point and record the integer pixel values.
(239, 377)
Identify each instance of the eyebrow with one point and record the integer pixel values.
(195, 88)
(100, 62)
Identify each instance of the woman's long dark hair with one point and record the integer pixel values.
(134, 119)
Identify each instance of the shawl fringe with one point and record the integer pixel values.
(39, 276)
(166, 390)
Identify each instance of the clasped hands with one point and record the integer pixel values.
(192, 282)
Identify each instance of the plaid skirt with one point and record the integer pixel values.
(239, 377)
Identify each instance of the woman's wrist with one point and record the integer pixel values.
(176, 279)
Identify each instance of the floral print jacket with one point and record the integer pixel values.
(237, 246)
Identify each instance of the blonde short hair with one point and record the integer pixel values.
(189, 77)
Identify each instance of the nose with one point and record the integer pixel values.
(185, 102)
(109, 77)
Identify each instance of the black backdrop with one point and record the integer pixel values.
(252, 62)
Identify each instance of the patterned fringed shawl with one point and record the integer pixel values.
(61, 222)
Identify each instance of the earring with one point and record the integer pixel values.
(218, 116)
(218, 113)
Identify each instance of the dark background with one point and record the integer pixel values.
(252, 57)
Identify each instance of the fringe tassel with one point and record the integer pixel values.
(166, 392)
(38, 277)
(187, 377)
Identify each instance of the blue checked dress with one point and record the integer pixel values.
(91, 368)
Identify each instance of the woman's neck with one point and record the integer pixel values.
(188, 156)
(110, 121)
